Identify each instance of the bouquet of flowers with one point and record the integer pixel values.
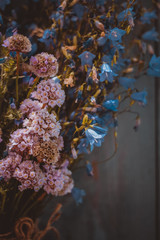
(62, 88)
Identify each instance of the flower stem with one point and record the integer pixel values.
(17, 73)
(33, 86)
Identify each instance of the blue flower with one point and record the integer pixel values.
(88, 42)
(116, 34)
(125, 15)
(102, 40)
(2, 60)
(151, 35)
(96, 136)
(140, 97)
(82, 147)
(79, 10)
(154, 66)
(100, 2)
(12, 27)
(89, 169)
(86, 58)
(78, 195)
(111, 104)
(12, 103)
(107, 59)
(127, 82)
(18, 121)
(106, 73)
(3, 3)
(148, 16)
(48, 36)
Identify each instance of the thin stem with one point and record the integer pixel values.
(17, 77)
(33, 86)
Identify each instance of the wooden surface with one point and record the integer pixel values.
(120, 200)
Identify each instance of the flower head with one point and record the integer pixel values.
(44, 65)
(18, 43)
(86, 58)
(50, 93)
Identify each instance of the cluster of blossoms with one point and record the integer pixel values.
(58, 181)
(21, 141)
(18, 43)
(34, 157)
(44, 65)
(53, 179)
(50, 93)
(48, 151)
(43, 124)
(29, 105)
(8, 165)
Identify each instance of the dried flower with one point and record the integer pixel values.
(58, 181)
(44, 65)
(18, 43)
(48, 151)
(49, 92)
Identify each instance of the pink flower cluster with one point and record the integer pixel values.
(50, 93)
(18, 42)
(34, 150)
(30, 175)
(8, 165)
(21, 141)
(29, 105)
(43, 124)
(58, 181)
(44, 65)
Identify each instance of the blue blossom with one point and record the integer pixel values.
(107, 59)
(111, 104)
(86, 58)
(89, 169)
(116, 34)
(148, 16)
(127, 82)
(151, 35)
(105, 68)
(79, 10)
(154, 66)
(88, 42)
(58, 17)
(78, 195)
(48, 36)
(96, 136)
(2, 60)
(12, 27)
(140, 97)
(18, 121)
(3, 3)
(12, 103)
(125, 15)
(106, 73)
(102, 40)
(101, 2)
(82, 147)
